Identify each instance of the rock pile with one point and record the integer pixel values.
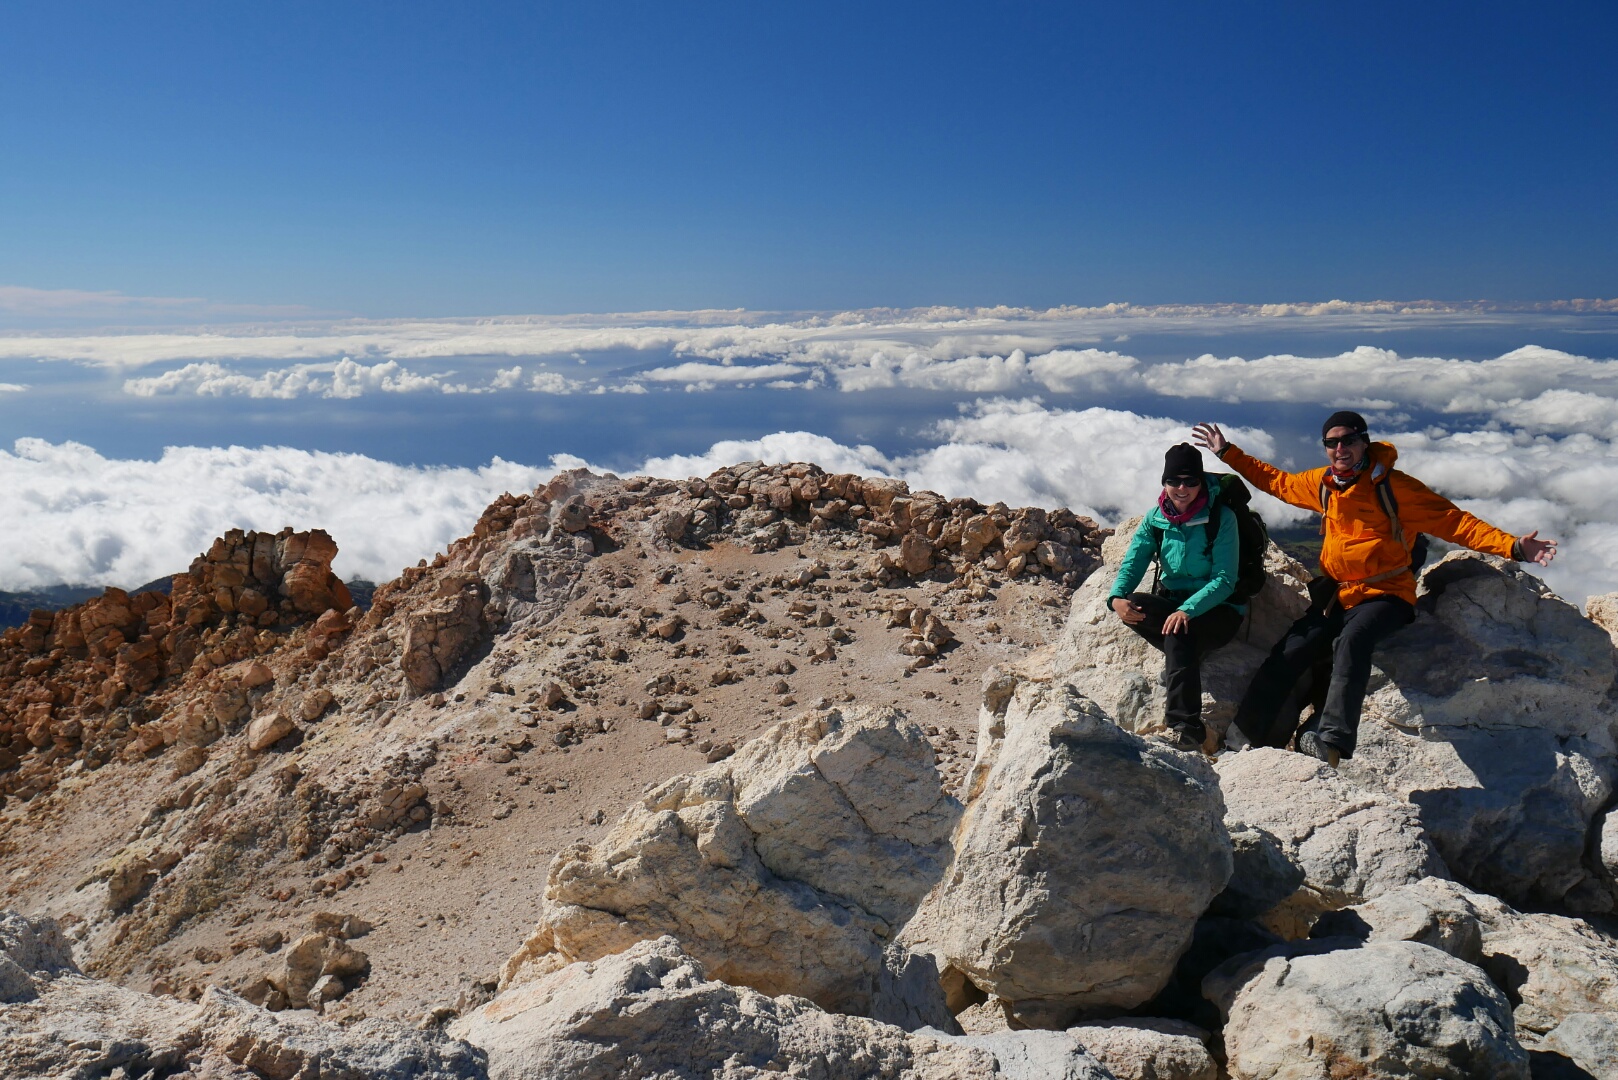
(60, 1023)
(78, 684)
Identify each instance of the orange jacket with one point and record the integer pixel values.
(1359, 541)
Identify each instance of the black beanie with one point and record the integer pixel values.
(1353, 421)
(1182, 460)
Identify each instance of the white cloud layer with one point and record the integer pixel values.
(75, 516)
(1381, 379)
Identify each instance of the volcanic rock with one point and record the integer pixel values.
(770, 867)
(1148, 1049)
(1387, 1010)
(1590, 1040)
(1350, 844)
(438, 635)
(1495, 719)
(651, 1011)
(1082, 861)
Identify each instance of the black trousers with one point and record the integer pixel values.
(1183, 653)
(1334, 647)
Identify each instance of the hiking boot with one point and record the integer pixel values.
(1178, 740)
(1316, 747)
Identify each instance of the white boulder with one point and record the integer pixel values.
(1082, 862)
(651, 1012)
(1149, 1049)
(1385, 1011)
(1492, 715)
(1351, 844)
(81, 1027)
(786, 868)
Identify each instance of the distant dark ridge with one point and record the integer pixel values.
(1302, 542)
(15, 606)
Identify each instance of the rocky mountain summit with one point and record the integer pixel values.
(777, 771)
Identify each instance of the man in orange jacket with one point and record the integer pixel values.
(1371, 515)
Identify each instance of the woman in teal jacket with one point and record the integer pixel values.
(1187, 616)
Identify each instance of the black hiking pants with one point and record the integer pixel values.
(1269, 711)
(1183, 653)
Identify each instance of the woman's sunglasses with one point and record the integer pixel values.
(1181, 481)
(1345, 440)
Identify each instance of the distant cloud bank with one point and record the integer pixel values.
(80, 517)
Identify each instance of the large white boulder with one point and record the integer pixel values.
(1385, 1011)
(1082, 862)
(1492, 715)
(1351, 844)
(1034, 1055)
(786, 868)
(651, 1012)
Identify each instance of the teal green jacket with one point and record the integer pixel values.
(1187, 565)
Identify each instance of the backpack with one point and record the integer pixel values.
(1252, 536)
(1383, 486)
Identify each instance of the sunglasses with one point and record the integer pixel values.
(1181, 481)
(1346, 440)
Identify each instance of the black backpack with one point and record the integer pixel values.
(1252, 535)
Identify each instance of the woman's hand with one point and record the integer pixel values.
(1535, 550)
(1210, 437)
(1178, 622)
(1129, 611)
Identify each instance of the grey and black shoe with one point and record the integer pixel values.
(1312, 744)
(1179, 740)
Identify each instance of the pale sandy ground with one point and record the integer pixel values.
(451, 899)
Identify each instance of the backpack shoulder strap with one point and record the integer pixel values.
(1390, 506)
(1216, 510)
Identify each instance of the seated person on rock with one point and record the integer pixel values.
(1188, 614)
(1371, 515)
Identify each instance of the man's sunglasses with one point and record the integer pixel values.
(1345, 440)
(1181, 481)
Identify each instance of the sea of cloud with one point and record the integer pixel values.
(1533, 387)
(77, 516)
(1056, 408)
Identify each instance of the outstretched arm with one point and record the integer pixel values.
(1299, 489)
(1424, 510)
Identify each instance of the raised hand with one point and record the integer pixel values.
(1210, 437)
(1535, 550)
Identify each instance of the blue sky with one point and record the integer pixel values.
(408, 159)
